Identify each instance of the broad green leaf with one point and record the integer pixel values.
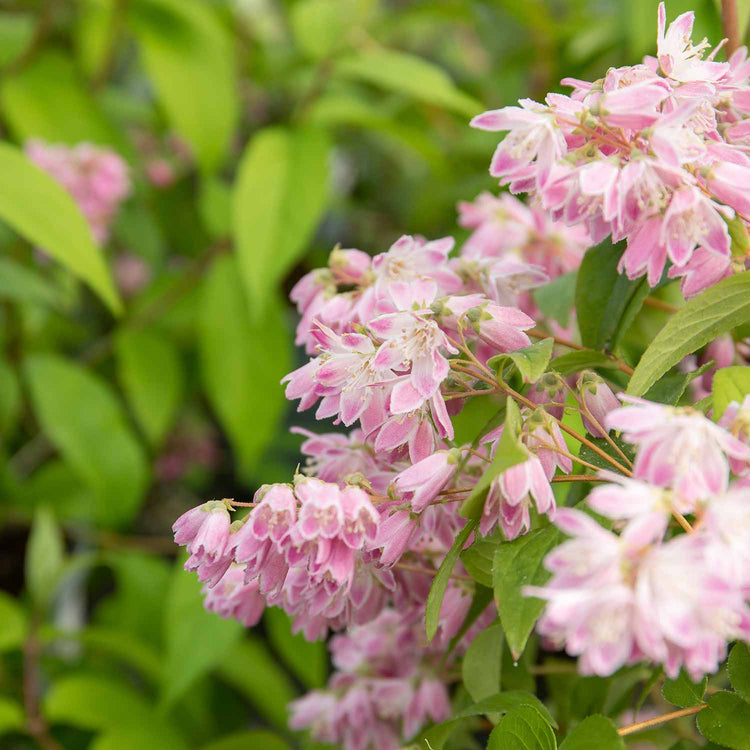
(149, 736)
(531, 361)
(12, 623)
(683, 692)
(189, 57)
(253, 670)
(40, 210)
(588, 696)
(16, 30)
(594, 733)
(522, 728)
(11, 716)
(242, 362)
(256, 738)
(410, 75)
(670, 388)
(730, 384)
(84, 420)
(478, 558)
(440, 582)
(556, 298)
(10, 399)
(45, 554)
(590, 456)
(739, 669)
(584, 359)
(215, 205)
(196, 640)
(482, 664)
(713, 312)
(509, 452)
(518, 564)
(321, 27)
(308, 661)
(150, 371)
(21, 284)
(606, 302)
(93, 35)
(726, 721)
(279, 196)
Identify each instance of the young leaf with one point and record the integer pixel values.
(40, 210)
(518, 564)
(308, 660)
(726, 721)
(594, 733)
(584, 359)
(82, 417)
(440, 582)
(730, 384)
(739, 669)
(279, 197)
(482, 662)
(531, 361)
(717, 310)
(556, 298)
(45, 553)
(683, 692)
(509, 453)
(522, 728)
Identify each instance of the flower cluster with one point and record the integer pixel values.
(655, 153)
(97, 178)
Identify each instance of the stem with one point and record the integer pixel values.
(578, 477)
(730, 25)
(42, 31)
(648, 723)
(622, 366)
(660, 304)
(682, 521)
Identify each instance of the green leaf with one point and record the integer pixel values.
(482, 664)
(594, 733)
(147, 737)
(509, 452)
(739, 235)
(256, 738)
(556, 298)
(242, 362)
(410, 75)
(10, 399)
(739, 669)
(518, 564)
(522, 729)
(531, 361)
(12, 623)
(215, 206)
(196, 640)
(16, 30)
(189, 57)
(584, 359)
(45, 553)
(93, 35)
(150, 371)
(279, 196)
(606, 302)
(726, 721)
(730, 384)
(669, 388)
(321, 27)
(84, 420)
(11, 716)
(586, 454)
(253, 670)
(478, 558)
(40, 210)
(713, 312)
(20, 284)
(308, 661)
(683, 692)
(440, 582)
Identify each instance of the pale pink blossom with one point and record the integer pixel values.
(736, 419)
(598, 400)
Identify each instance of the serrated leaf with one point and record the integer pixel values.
(739, 669)
(594, 733)
(478, 558)
(726, 720)
(522, 728)
(45, 554)
(482, 664)
(730, 384)
(584, 359)
(308, 660)
(713, 312)
(42, 212)
(531, 361)
(518, 564)
(279, 197)
(556, 298)
(683, 692)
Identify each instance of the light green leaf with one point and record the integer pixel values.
(478, 558)
(150, 736)
(16, 30)
(594, 733)
(410, 75)
(150, 371)
(738, 233)
(584, 359)
(93, 33)
(556, 298)
(84, 420)
(726, 721)
(522, 728)
(257, 738)
(40, 210)
(713, 312)
(531, 361)
(482, 664)
(254, 671)
(196, 640)
(12, 623)
(11, 716)
(440, 582)
(45, 553)
(739, 669)
(321, 27)
(279, 197)
(242, 362)
(730, 384)
(509, 452)
(10, 399)
(683, 692)
(21, 284)
(190, 58)
(308, 661)
(215, 205)
(518, 564)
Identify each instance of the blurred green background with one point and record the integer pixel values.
(259, 133)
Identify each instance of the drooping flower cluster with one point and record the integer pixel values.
(655, 153)
(96, 177)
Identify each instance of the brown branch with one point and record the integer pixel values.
(730, 25)
(578, 478)
(648, 723)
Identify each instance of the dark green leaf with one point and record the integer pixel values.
(669, 389)
(482, 663)
(556, 298)
(478, 558)
(518, 564)
(594, 733)
(739, 669)
(531, 361)
(683, 692)
(10, 399)
(730, 384)
(588, 455)
(45, 553)
(584, 359)
(588, 696)
(308, 661)
(522, 729)
(726, 721)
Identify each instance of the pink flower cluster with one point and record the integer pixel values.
(97, 178)
(656, 153)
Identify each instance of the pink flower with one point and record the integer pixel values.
(231, 597)
(395, 535)
(422, 482)
(598, 399)
(205, 532)
(736, 419)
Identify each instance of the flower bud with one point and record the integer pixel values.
(598, 400)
